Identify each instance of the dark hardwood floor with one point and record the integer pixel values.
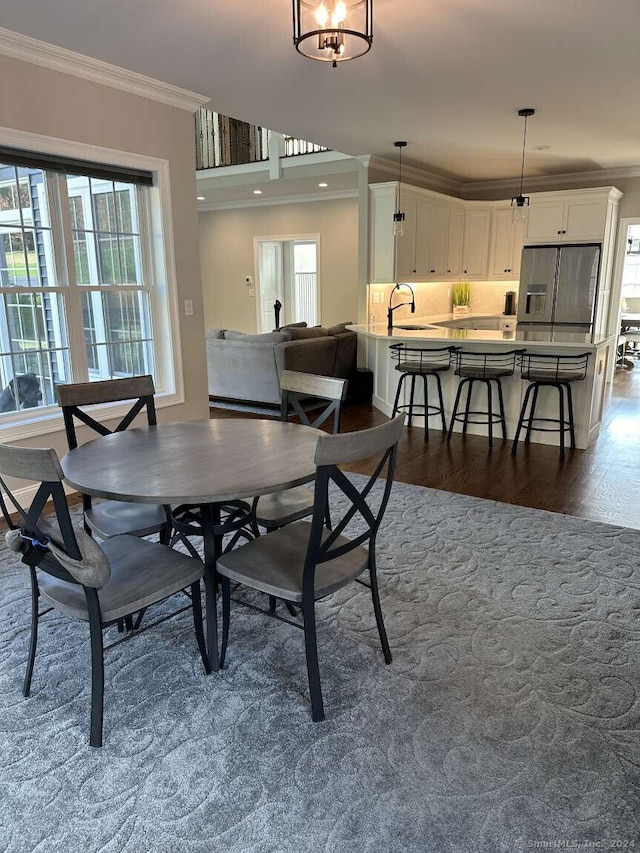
(601, 483)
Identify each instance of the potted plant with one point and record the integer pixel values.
(462, 298)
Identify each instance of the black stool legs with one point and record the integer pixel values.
(418, 409)
(563, 424)
(488, 417)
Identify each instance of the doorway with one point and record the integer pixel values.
(287, 272)
(625, 309)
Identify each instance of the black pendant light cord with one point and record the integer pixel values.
(526, 113)
(521, 200)
(399, 215)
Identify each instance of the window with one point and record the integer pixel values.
(77, 295)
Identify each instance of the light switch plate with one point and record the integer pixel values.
(248, 280)
(188, 308)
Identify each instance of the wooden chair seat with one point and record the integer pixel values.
(142, 573)
(110, 518)
(282, 508)
(274, 564)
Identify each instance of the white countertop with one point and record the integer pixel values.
(528, 335)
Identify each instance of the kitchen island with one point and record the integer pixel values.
(492, 333)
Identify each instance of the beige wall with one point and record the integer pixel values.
(40, 101)
(227, 256)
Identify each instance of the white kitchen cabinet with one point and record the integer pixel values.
(507, 240)
(432, 225)
(475, 246)
(447, 238)
(406, 242)
(382, 205)
(430, 247)
(575, 216)
(454, 243)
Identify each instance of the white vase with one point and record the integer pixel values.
(461, 309)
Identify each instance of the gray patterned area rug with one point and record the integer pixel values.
(509, 719)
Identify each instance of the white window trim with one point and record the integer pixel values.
(25, 423)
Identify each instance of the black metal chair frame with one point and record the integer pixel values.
(76, 411)
(545, 370)
(38, 558)
(321, 548)
(489, 368)
(291, 404)
(425, 363)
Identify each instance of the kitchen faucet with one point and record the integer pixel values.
(390, 310)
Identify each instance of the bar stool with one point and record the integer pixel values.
(418, 361)
(488, 368)
(553, 371)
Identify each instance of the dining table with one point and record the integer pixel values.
(629, 321)
(203, 463)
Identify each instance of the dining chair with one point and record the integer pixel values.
(305, 561)
(275, 510)
(111, 518)
(99, 583)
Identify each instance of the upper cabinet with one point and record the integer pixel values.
(475, 247)
(431, 245)
(507, 240)
(575, 216)
(449, 239)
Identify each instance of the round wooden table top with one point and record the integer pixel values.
(194, 461)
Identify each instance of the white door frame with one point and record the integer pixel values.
(284, 238)
(615, 308)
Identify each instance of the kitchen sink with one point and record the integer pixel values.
(499, 323)
(412, 328)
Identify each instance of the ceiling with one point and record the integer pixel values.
(446, 75)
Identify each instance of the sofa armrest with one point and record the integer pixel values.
(346, 355)
(313, 355)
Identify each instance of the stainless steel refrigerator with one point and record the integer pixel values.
(559, 284)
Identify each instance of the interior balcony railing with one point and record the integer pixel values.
(225, 141)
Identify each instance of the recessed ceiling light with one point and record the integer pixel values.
(200, 198)
(323, 185)
(257, 192)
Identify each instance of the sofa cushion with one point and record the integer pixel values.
(214, 334)
(267, 338)
(339, 328)
(303, 334)
(291, 326)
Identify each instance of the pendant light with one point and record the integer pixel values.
(520, 202)
(332, 30)
(398, 216)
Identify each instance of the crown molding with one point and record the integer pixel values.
(27, 49)
(601, 177)
(288, 199)
(413, 175)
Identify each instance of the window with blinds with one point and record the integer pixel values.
(76, 276)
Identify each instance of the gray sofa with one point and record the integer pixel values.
(247, 368)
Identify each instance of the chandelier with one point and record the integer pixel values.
(333, 30)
